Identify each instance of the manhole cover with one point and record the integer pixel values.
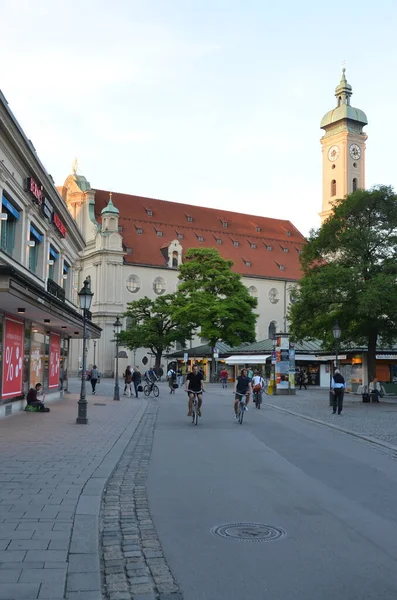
(249, 532)
(100, 404)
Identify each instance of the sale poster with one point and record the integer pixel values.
(37, 349)
(55, 357)
(12, 358)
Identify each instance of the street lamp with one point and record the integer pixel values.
(117, 328)
(85, 298)
(336, 331)
(94, 351)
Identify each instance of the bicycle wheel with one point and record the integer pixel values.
(146, 390)
(156, 391)
(195, 421)
(241, 414)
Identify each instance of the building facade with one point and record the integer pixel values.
(343, 148)
(40, 245)
(134, 246)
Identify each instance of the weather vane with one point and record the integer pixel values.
(75, 166)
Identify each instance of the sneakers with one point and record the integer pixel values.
(246, 408)
(235, 416)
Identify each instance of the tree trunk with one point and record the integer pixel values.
(157, 362)
(372, 339)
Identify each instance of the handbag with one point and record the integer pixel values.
(140, 388)
(257, 387)
(175, 386)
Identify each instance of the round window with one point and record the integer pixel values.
(133, 284)
(159, 286)
(274, 295)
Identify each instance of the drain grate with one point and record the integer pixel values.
(100, 404)
(249, 532)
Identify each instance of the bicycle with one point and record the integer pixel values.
(241, 407)
(195, 407)
(151, 387)
(257, 398)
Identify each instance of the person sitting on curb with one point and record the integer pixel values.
(33, 398)
(375, 390)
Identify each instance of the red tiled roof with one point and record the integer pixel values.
(171, 218)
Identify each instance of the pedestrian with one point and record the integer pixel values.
(128, 382)
(223, 375)
(161, 372)
(375, 390)
(136, 379)
(338, 389)
(179, 377)
(94, 378)
(128, 369)
(171, 380)
(302, 379)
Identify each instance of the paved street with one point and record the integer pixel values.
(327, 495)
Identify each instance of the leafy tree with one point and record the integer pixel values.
(213, 297)
(350, 274)
(153, 326)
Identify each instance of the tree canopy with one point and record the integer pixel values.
(154, 326)
(350, 275)
(214, 298)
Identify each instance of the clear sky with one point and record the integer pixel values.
(210, 102)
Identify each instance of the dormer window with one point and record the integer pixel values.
(236, 243)
(269, 248)
(247, 263)
(200, 238)
(120, 229)
(285, 249)
(281, 267)
(149, 212)
(289, 234)
(159, 233)
(224, 224)
(299, 250)
(257, 229)
(189, 218)
(180, 236)
(253, 245)
(218, 241)
(139, 230)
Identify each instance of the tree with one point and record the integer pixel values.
(213, 297)
(153, 326)
(350, 274)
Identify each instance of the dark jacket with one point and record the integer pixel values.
(32, 396)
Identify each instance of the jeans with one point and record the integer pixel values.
(93, 384)
(136, 384)
(338, 400)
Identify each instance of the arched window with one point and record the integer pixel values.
(133, 284)
(272, 329)
(159, 286)
(333, 187)
(175, 260)
(355, 184)
(252, 290)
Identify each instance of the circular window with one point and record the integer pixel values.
(274, 296)
(253, 291)
(159, 286)
(133, 284)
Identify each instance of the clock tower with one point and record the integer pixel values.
(343, 148)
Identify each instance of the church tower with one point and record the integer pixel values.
(343, 148)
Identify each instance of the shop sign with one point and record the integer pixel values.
(55, 357)
(12, 358)
(35, 189)
(59, 225)
(47, 209)
(386, 357)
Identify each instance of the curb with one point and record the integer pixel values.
(361, 436)
(84, 545)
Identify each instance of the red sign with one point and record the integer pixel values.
(12, 358)
(55, 357)
(34, 189)
(59, 225)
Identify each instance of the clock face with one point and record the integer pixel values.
(333, 153)
(355, 152)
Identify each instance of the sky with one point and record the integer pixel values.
(210, 102)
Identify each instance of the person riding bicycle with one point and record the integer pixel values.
(242, 387)
(194, 385)
(258, 385)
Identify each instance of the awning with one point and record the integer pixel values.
(243, 359)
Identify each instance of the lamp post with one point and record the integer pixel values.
(94, 351)
(117, 328)
(85, 298)
(336, 332)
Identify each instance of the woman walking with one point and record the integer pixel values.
(128, 382)
(94, 378)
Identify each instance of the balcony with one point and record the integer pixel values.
(55, 290)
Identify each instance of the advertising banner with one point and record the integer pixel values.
(55, 356)
(12, 358)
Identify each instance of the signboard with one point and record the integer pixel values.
(185, 357)
(284, 363)
(12, 358)
(59, 225)
(216, 355)
(37, 349)
(35, 189)
(55, 353)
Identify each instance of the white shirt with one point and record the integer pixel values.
(257, 379)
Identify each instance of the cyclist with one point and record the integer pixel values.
(242, 386)
(194, 385)
(258, 385)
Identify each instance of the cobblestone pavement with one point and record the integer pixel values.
(376, 421)
(133, 564)
(52, 473)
